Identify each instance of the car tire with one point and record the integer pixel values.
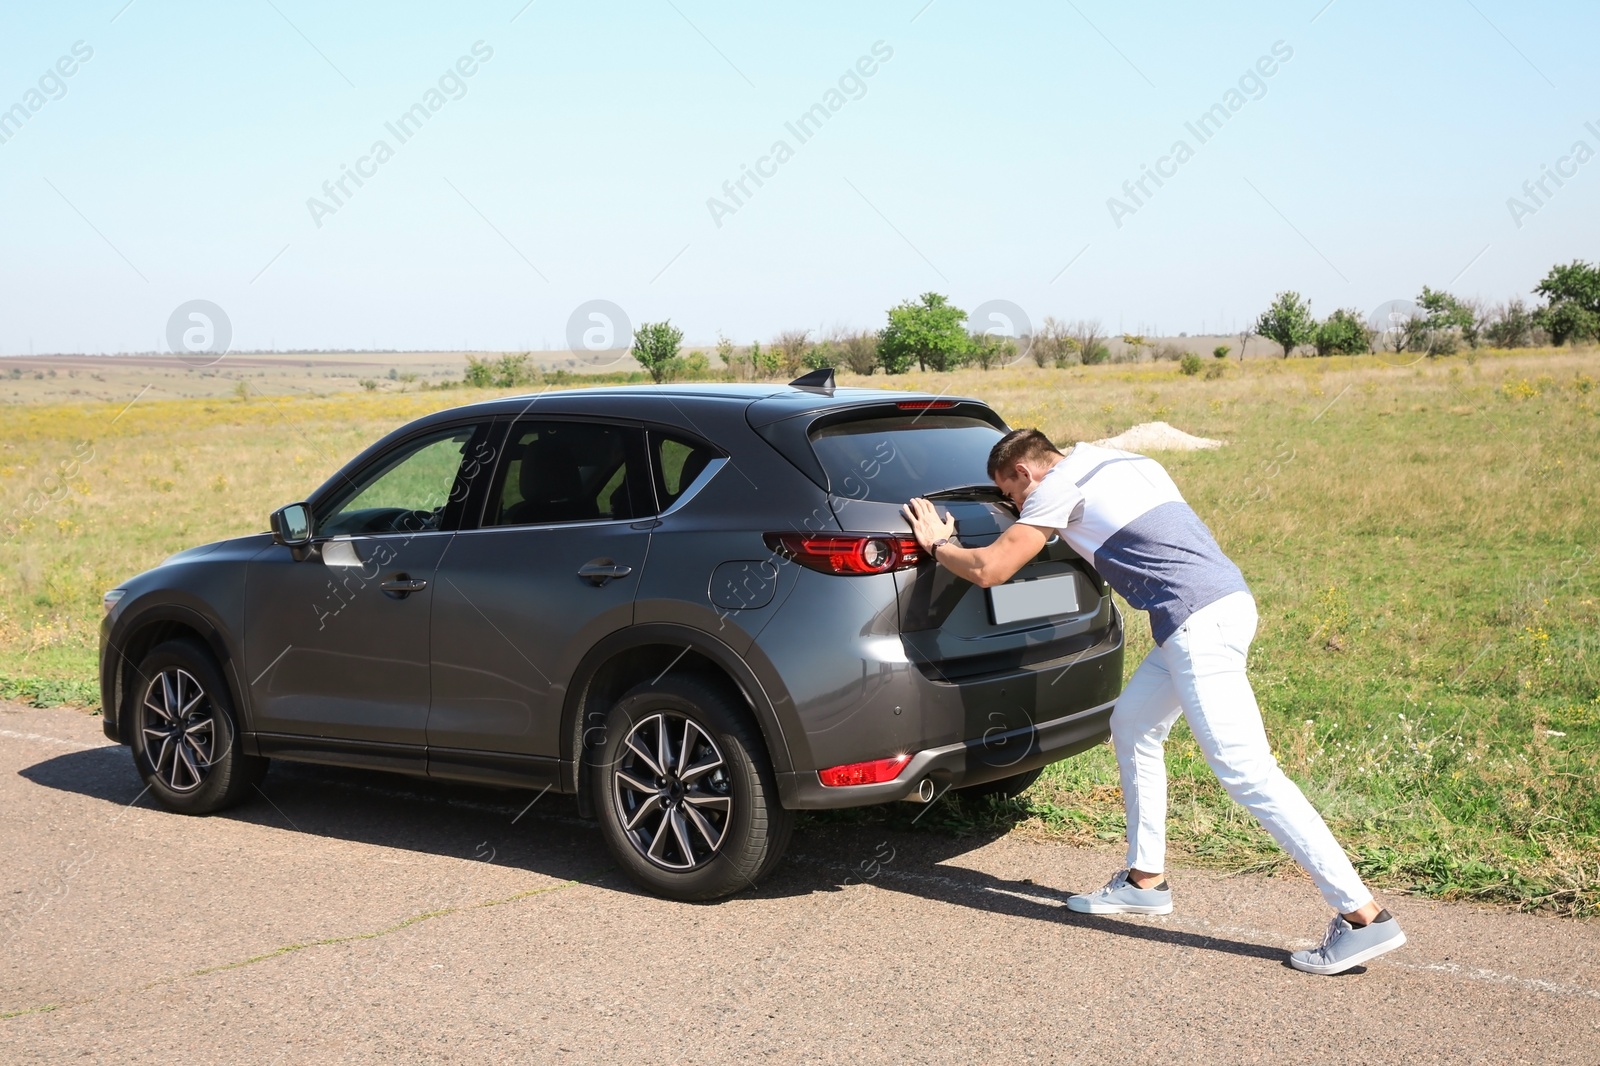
(711, 823)
(184, 732)
(1003, 788)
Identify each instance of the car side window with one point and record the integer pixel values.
(677, 462)
(407, 491)
(557, 471)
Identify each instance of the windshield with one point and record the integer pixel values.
(893, 459)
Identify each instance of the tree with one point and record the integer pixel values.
(1091, 348)
(1396, 329)
(1288, 322)
(1054, 344)
(1511, 325)
(1572, 310)
(1344, 332)
(928, 332)
(1221, 351)
(738, 366)
(655, 345)
(766, 364)
(1244, 340)
(791, 346)
(1479, 315)
(860, 351)
(1445, 320)
(507, 372)
(822, 355)
(989, 350)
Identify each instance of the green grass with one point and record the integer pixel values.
(1423, 542)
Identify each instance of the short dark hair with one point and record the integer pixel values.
(1019, 446)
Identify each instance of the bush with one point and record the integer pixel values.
(1343, 333)
(507, 372)
(1447, 322)
(860, 351)
(1095, 354)
(791, 349)
(1220, 351)
(1190, 364)
(1573, 311)
(765, 362)
(1511, 325)
(988, 350)
(822, 355)
(1054, 345)
(1216, 370)
(1168, 352)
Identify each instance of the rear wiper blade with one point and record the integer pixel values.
(965, 490)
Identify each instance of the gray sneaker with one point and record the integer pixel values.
(1119, 897)
(1345, 945)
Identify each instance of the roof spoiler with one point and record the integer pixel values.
(821, 380)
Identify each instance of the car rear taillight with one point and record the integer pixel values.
(924, 405)
(848, 553)
(871, 772)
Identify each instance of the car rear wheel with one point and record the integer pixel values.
(1002, 788)
(685, 793)
(185, 734)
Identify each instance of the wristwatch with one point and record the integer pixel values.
(933, 549)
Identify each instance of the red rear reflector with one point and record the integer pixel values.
(848, 553)
(864, 773)
(924, 405)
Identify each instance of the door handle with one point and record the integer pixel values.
(598, 573)
(402, 585)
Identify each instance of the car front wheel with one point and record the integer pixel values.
(685, 793)
(185, 735)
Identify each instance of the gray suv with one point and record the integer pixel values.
(698, 608)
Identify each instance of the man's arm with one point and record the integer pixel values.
(984, 567)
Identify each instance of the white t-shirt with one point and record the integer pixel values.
(1122, 512)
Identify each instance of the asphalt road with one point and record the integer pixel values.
(358, 917)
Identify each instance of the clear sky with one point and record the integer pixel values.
(577, 161)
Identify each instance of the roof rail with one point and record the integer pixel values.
(816, 379)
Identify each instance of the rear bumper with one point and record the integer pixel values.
(966, 762)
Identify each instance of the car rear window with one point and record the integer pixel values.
(893, 459)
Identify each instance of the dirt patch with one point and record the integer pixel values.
(1158, 437)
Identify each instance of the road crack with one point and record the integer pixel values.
(290, 949)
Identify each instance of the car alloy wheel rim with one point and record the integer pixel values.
(671, 790)
(180, 730)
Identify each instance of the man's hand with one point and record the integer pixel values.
(985, 567)
(926, 524)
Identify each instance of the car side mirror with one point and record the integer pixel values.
(291, 525)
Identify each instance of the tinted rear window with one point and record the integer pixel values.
(893, 459)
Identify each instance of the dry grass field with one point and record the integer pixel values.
(1422, 540)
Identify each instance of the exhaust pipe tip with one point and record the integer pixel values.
(923, 793)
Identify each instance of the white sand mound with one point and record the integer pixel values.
(1158, 437)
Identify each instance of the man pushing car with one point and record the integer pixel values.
(1122, 513)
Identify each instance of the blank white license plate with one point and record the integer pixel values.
(1040, 597)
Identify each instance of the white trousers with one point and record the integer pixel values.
(1200, 671)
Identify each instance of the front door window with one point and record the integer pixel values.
(408, 492)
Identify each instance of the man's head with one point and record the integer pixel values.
(1020, 460)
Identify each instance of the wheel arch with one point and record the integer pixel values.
(626, 658)
(134, 640)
